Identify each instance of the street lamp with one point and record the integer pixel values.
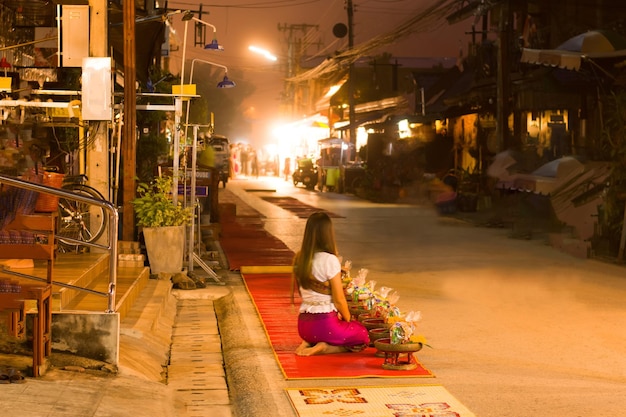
(214, 45)
(225, 83)
(187, 16)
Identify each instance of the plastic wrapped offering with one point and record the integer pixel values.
(400, 332)
(361, 291)
(405, 331)
(347, 266)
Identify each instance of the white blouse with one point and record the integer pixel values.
(325, 266)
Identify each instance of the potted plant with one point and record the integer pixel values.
(163, 224)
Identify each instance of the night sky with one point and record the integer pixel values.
(269, 23)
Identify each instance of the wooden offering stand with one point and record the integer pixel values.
(398, 356)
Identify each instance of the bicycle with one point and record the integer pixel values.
(77, 220)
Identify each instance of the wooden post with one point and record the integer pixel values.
(130, 120)
(351, 76)
(503, 81)
(97, 168)
(622, 240)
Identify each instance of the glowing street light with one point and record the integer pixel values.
(214, 45)
(262, 52)
(225, 83)
(187, 16)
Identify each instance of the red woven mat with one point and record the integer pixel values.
(270, 294)
(244, 239)
(296, 206)
(253, 246)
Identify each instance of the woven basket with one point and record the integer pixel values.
(48, 203)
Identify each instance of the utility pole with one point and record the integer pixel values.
(129, 148)
(351, 80)
(295, 49)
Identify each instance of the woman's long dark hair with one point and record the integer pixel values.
(319, 236)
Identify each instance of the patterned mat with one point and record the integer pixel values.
(296, 206)
(392, 401)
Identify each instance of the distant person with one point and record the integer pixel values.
(287, 168)
(243, 157)
(254, 162)
(234, 155)
(324, 322)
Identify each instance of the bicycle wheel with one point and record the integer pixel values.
(78, 220)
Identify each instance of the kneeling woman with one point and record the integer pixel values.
(324, 322)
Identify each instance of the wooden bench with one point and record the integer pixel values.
(35, 240)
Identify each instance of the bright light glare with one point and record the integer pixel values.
(403, 129)
(263, 52)
(332, 90)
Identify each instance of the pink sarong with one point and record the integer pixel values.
(326, 327)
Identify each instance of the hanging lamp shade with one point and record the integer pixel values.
(226, 83)
(214, 45)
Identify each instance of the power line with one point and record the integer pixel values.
(263, 5)
(427, 19)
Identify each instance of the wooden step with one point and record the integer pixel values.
(130, 283)
(79, 270)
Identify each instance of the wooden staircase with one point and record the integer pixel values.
(73, 308)
(132, 278)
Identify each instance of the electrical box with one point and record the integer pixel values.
(74, 35)
(96, 89)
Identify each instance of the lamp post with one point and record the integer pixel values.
(225, 83)
(192, 256)
(214, 45)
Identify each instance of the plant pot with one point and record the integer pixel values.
(165, 246)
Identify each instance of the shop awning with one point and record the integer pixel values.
(545, 180)
(552, 58)
(324, 103)
(377, 116)
(593, 44)
(334, 143)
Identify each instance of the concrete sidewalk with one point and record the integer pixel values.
(171, 366)
(171, 361)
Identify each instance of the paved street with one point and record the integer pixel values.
(517, 328)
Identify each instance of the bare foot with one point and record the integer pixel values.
(304, 345)
(321, 348)
(356, 348)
